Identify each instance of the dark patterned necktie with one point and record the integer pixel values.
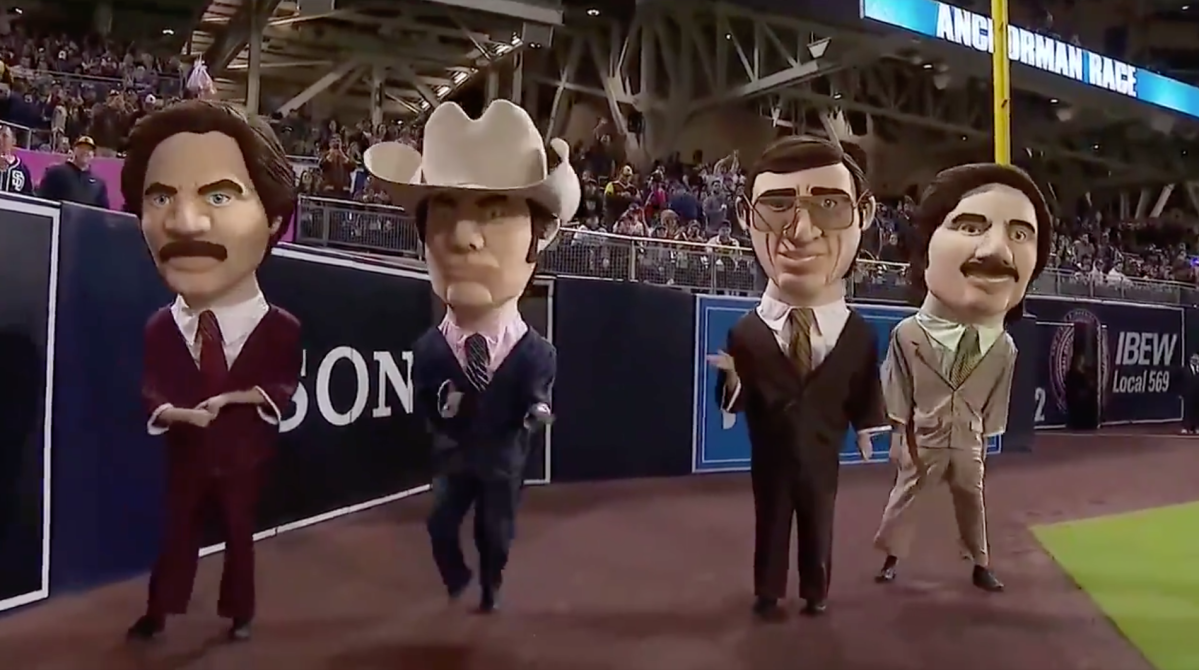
(478, 362)
(967, 356)
(213, 365)
(800, 343)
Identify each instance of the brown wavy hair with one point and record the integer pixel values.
(270, 170)
(943, 195)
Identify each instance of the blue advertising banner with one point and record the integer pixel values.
(29, 233)
(721, 442)
(1140, 347)
(349, 438)
(973, 31)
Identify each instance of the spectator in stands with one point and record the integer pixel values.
(620, 194)
(716, 206)
(73, 181)
(54, 83)
(14, 176)
(109, 122)
(592, 204)
(1115, 276)
(631, 223)
(15, 106)
(890, 252)
(337, 169)
(685, 204)
(724, 238)
(55, 89)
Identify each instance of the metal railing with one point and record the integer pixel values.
(158, 84)
(34, 138)
(701, 268)
(24, 135)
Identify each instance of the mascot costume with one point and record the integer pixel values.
(982, 234)
(214, 191)
(488, 196)
(802, 366)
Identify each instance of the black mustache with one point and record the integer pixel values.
(989, 267)
(192, 249)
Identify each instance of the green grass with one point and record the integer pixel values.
(1142, 570)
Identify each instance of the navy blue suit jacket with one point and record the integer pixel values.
(489, 436)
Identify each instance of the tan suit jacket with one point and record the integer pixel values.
(917, 390)
(950, 424)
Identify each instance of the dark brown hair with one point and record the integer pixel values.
(797, 153)
(805, 152)
(542, 218)
(270, 170)
(947, 190)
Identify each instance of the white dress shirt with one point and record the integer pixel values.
(237, 322)
(948, 334)
(827, 326)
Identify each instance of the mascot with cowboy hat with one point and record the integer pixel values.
(488, 196)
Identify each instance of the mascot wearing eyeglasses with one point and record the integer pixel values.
(802, 366)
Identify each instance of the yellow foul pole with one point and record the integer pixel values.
(1000, 82)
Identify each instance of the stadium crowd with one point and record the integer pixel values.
(55, 89)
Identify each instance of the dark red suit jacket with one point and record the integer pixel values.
(238, 440)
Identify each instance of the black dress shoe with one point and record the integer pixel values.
(768, 609)
(146, 628)
(489, 602)
(456, 589)
(240, 630)
(986, 580)
(814, 608)
(887, 573)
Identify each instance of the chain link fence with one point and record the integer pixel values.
(702, 268)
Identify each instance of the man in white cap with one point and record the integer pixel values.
(488, 196)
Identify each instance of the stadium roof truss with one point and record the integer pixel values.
(672, 64)
(906, 93)
(417, 53)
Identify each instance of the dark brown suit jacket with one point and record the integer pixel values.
(802, 422)
(238, 440)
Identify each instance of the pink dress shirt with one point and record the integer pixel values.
(501, 337)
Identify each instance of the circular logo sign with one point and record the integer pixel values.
(1061, 352)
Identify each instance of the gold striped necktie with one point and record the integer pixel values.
(966, 358)
(800, 344)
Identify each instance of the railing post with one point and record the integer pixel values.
(326, 225)
(682, 263)
(632, 270)
(711, 256)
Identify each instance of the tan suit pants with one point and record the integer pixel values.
(962, 470)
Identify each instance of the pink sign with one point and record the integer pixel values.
(108, 169)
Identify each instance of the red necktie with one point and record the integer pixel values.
(213, 366)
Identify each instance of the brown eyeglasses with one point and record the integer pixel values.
(779, 214)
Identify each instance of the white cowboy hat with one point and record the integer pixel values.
(501, 152)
